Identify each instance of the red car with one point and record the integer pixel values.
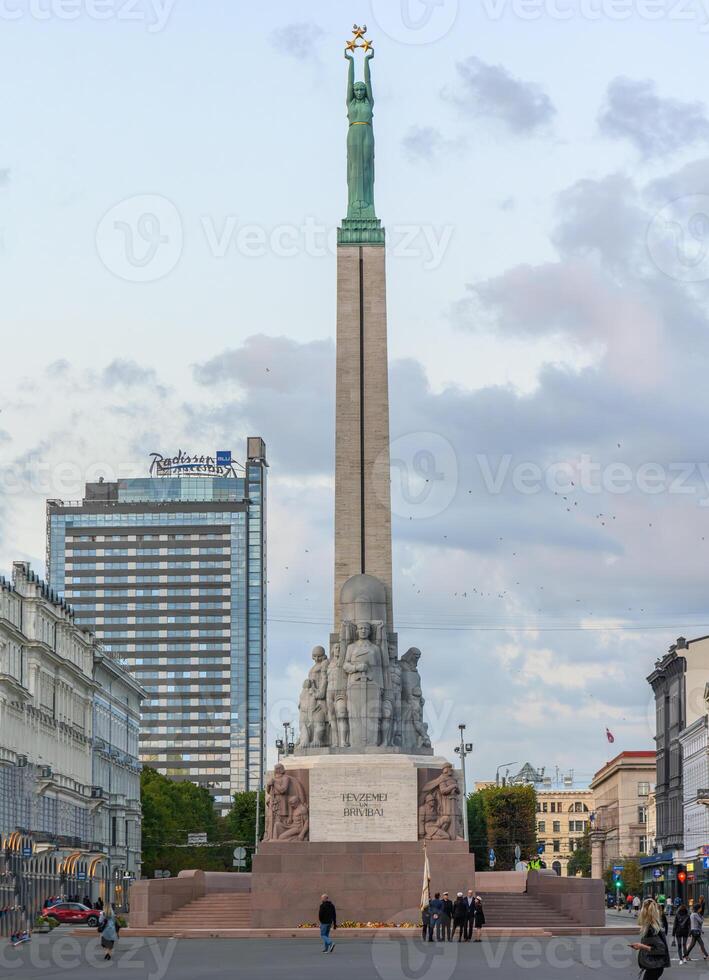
(72, 912)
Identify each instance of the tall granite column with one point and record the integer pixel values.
(362, 507)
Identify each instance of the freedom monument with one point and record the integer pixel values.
(349, 811)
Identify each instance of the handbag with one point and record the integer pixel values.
(654, 959)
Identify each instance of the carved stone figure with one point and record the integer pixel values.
(443, 795)
(365, 666)
(318, 687)
(414, 729)
(337, 698)
(392, 703)
(300, 821)
(306, 710)
(432, 826)
(285, 800)
(312, 706)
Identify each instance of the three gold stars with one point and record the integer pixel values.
(359, 33)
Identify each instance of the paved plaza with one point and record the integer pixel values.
(64, 955)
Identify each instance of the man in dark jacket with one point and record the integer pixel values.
(446, 926)
(460, 916)
(327, 916)
(470, 917)
(435, 911)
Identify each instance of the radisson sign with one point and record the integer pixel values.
(186, 464)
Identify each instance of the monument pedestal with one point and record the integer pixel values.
(364, 849)
(368, 882)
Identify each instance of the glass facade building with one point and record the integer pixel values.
(170, 572)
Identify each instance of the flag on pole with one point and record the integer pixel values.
(610, 736)
(426, 887)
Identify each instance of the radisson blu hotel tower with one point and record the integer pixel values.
(170, 572)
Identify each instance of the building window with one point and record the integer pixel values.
(557, 827)
(642, 845)
(541, 826)
(642, 814)
(544, 807)
(643, 789)
(555, 845)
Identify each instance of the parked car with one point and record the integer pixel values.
(73, 912)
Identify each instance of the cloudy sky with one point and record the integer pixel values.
(171, 174)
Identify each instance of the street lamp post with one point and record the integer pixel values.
(463, 750)
(286, 728)
(502, 766)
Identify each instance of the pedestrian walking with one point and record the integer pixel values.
(447, 918)
(435, 911)
(460, 916)
(327, 916)
(108, 928)
(668, 907)
(636, 905)
(653, 954)
(680, 932)
(478, 919)
(696, 925)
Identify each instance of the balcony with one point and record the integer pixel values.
(703, 796)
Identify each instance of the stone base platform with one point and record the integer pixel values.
(411, 935)
(367, 881)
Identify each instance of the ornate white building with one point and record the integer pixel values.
(69, 725)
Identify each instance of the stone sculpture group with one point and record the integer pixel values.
(363, 696)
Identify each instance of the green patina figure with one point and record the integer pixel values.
(361, 226)
(360, 141)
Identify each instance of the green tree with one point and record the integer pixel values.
(500, 817)
(631, 876)
(477, 829)
(580, 860)
(171, 810)
(240, 821)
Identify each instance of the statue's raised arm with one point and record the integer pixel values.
(350, 76)
(368, 75)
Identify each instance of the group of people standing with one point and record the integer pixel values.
(442, 918)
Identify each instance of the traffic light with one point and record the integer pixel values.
(681, 874)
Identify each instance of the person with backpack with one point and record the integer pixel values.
(696, 925)
(680, 932)
(653, 954)
(108, 929)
